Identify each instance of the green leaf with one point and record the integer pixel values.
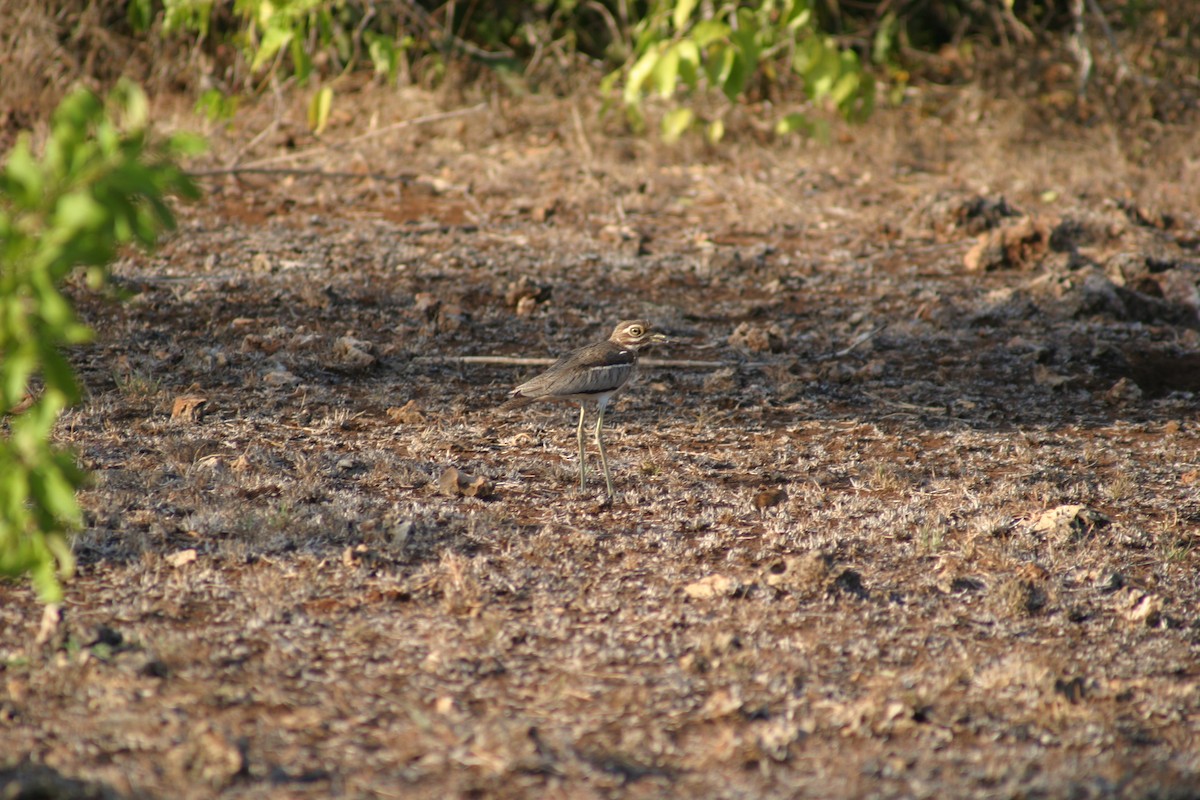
(735, 78)
(139, 15)
(14, 493)
(23, 176)
(274, 40)
(665, 73)
(675, 123)
(635, 118)
(844, 88)
(885, 38)
(793, 123)
(184, 143)
(78, 212)
(132, 103)
(803, 18)
(75, 115)
(44, 579)
(301, 63)
(18, 366)
(384, 53)
(608, 82)
(51, 305)
(638, 74)
(720, 66)
(716, 131)
(59, 496)
(59, 374)
(708, 31)
(682, 13)
(318, 109)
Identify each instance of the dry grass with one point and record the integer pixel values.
(913, 615)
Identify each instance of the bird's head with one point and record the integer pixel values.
(636, 334)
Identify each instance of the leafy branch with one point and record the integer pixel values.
(682, 48)
(101, 183)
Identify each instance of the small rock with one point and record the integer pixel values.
(280, 377)
(353, 353)
(807, 573)
(1019, 245)
(753, 338)
(407, 414)
(526, 306)
(453, 483)
(188, 408)
(1123, 391)
(182, 557)
(353, 556)
(1140, 608)
(1070, 521)
(712, 586)
(525, 289)
(543, 211)
(769, 498)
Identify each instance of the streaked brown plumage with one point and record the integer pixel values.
(591, 374)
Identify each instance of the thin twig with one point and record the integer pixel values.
(408, 123)
(516, 361)
(1123, 66)
(260, 136)
(669, 363)
(845, 351)
(312, 173)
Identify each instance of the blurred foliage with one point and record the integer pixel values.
(741, 50)
(780, 59)
(100, 183)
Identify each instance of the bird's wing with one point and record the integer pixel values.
(594, 369)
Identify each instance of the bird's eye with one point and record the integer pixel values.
(636, 330)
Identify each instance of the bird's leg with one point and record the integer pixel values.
(603, 458)
(579, 437)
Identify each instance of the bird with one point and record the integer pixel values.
(590, 374)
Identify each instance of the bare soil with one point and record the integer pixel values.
(926, 524)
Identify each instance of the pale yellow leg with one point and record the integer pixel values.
(603, 457)
(582, 460)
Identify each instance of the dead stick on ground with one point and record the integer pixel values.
(675, 364)
(517, 361)
(514, 361)
(408, 123)
(845, 351)
(305, 173)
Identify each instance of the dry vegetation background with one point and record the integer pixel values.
(926, 527)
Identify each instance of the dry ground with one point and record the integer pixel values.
(979, 579)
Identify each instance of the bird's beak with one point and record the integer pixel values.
(659, 338)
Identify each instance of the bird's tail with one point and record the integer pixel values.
(515, 401)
